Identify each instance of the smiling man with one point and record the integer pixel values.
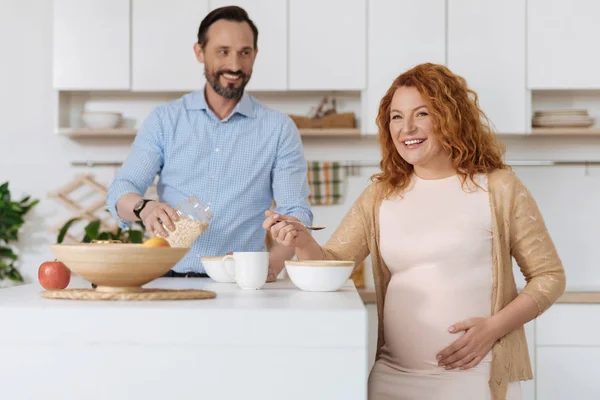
(223, 147)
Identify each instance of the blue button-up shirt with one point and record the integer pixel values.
(237, 165)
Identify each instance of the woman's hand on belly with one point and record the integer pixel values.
(468, 351)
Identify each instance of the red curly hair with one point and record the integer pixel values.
(461, 126)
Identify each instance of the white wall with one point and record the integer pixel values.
(32, 158)
(36, 161)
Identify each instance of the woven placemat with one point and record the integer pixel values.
(144, 295)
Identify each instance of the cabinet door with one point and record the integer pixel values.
(486, 45)
(562, 52)
(401, 35)
(528, 387)
(567, 373)
(327, 44)
(91, 44)
(567, 348)
(372, 332)
(270, 17)
(569, 325)
(164, 33)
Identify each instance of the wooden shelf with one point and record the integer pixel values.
(341, 133)
(565, 131)
(331, 132)
(86, 132)
(130, 132)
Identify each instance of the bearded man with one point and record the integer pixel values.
(221, 146)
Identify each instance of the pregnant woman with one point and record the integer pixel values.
(442, 222)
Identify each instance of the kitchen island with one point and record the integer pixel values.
(274, 343)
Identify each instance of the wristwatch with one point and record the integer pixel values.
(139, 206)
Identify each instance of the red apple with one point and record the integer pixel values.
(54, 275)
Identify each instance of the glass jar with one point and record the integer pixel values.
(194, 218)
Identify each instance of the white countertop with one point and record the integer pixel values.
(575, 288)
(287, 313)
(574, 294)
(241, 345)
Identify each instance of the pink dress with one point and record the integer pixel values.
(437, 242)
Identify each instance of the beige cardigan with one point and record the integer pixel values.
(518, 231)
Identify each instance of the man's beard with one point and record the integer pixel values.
(229, 91)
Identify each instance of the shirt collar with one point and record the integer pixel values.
(245, 106)
(197, 101)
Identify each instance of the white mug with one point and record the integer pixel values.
(250, 268)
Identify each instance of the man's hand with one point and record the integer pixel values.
(155, 215)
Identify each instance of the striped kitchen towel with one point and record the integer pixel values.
(327, 181)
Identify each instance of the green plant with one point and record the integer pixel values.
(12, 215)
(93, 232)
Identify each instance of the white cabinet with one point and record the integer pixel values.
(372, 331)
(327, 44)
(271, 65)
(569, 325)
(528, 387)
(163, 37)
(91, 44)
(562, 44)
(486, 46)
(568, 373)
(568, 347)
(399, 39)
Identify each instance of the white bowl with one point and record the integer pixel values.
(212, 265)
(319, 275)
(101, 119)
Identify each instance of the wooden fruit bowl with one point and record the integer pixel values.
(118, 267)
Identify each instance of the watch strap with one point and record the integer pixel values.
(137, 210)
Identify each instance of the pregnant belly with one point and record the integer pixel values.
(419, 312)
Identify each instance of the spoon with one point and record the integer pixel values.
(310, 228)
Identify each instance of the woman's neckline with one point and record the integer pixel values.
(447, 178)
